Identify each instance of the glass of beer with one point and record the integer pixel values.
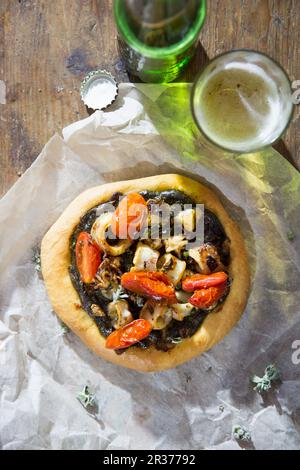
(242, 101)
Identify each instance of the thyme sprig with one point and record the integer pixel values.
(64, 328)
(240, 433)
(119, 294)
(139, 301)
(86, 398)
(36, 259)
(263, 384)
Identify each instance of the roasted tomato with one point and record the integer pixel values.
(201, 281)
(88, 257)
(129, 334)
(130, 216)
(206, 298)
(154, 285)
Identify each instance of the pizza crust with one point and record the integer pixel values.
(55, 260)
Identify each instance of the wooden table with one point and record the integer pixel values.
(46, 47)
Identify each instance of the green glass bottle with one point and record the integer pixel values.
(157, 38)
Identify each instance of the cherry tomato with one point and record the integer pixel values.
(155, 285)
(205, 298)
(129, 334)
(130, 216)
(200, 281)
(88, 257)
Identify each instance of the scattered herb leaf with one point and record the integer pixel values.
(64, 328)
(86, 398)
(241, 434)
(36, 259)
(263, 384)
(120, 294)
(139, 301)
(221, 408)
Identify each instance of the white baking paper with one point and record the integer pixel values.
(149, 130)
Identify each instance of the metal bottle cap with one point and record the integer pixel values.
(98, 89)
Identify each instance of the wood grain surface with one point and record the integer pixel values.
(46, 48)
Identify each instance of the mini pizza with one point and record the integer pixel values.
(137, 294)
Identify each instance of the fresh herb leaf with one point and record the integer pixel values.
(186, 254)
(139, 300)
(263, 384)
(221, 408)
(120, 294)
(86, 398)
(36, 259)
(272, 372)
(241, 434)
(64, 328)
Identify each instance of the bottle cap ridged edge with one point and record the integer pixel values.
(89, 79)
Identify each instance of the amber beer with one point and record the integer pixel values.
(242, 101)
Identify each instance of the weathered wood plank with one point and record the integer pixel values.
(46, 47)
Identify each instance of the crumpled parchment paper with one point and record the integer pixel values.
(149, 130)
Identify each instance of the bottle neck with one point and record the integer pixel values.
(157, 28)
(161, 23)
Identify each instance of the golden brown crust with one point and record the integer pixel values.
(55, 258)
